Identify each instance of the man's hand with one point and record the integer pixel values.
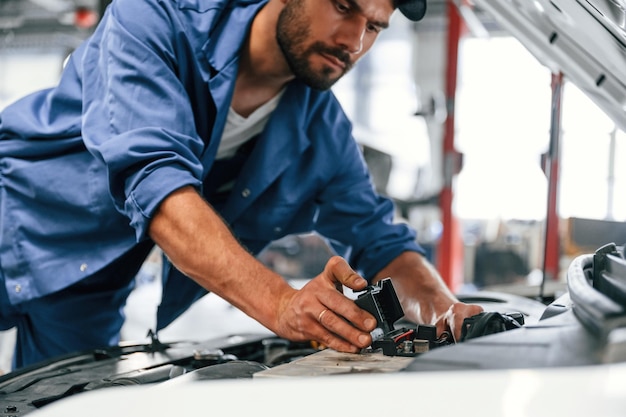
(424, 296)
(201, 246)
(321, 313)
(452, 320)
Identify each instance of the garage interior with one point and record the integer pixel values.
(507, 169)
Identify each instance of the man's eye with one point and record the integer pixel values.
(374, 28)
(343, 8)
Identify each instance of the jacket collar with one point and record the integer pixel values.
(229, 33)
(222, 54)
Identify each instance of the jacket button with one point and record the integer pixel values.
(83, 267)
(245, 193)
(18, 288)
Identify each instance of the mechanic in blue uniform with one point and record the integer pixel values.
(206, 127)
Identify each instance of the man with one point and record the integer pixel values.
(206, 128)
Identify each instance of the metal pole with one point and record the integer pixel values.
(450, 248)
(551, 169)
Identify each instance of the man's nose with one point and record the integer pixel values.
(350, 36)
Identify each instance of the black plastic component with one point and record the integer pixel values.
(597, 287)
(609, 273)
(382, 302)
(486, 323)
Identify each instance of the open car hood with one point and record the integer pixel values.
(585, 40)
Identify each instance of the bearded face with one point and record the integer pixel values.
(293, 35)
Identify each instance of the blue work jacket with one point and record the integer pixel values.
(138, 113)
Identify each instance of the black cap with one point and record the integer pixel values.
(412, 9)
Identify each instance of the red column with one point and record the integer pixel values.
(450, 248)
(551, 169)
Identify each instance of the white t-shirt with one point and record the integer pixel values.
(238, 129)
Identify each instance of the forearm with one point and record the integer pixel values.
(424, 296)
(199, 244)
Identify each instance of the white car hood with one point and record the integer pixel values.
(585, 40)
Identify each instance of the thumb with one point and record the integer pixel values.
(338, 271)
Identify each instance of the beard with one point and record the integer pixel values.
(292, 34)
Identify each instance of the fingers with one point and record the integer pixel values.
(336, 271)
(337, 331)
(455, 316)
(321, 313)
(338, 322)
(319, 318)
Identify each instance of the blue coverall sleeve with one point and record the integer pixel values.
(138, 117)
(358, 222)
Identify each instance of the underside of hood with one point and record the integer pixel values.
(585, 40)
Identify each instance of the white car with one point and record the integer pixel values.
(567, 359)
